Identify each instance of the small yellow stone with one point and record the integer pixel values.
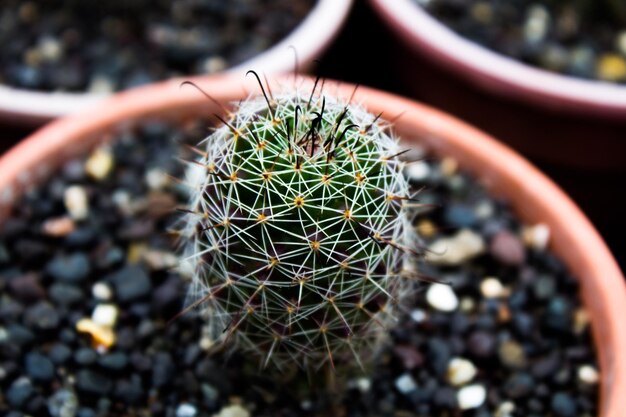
(482, 12)
(102, 336)
(449, 166)
(100, 163)
(426, 228)
(136, 252)
(581, 320)
(611, 67)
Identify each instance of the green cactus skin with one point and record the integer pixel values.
(297, 230)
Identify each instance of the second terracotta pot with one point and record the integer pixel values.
(552, 118)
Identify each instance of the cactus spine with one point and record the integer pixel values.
(297, 229)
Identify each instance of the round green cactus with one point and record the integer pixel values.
(297, 230)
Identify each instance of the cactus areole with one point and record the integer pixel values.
(297, 230)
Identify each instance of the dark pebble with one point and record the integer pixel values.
(85, 412)
(65, 294)
(409, 356)
(523, 324)
(519, 385)
(39, 367)
(460, 215)
(445, 398)
(27, 288)
(167, 297)
(140, 362)
(112, 257)
(42, 316)
(192, 352)
(563, 405)
(481, 344)
(163, 369)
(137, 230)
(81, 238)
(507, 248)
(438, 355)
(5, 257)
(31, 251)
(210, 396)
(130, 283)
(547, 366)
(36, 405)
(93, 382)
(559, 314)
(19, 392)
(85, 356)
(115, 361)
(20, 335)
(544, 287)
(129, 391)
(126, 337)
(69, 268)
(59, 353)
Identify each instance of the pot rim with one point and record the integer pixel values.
(310, 38)
(498, 73)
(534, 197)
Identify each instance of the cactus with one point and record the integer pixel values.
(297, 230)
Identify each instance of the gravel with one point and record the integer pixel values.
(69, 45)
(527, 344)
(584, 39)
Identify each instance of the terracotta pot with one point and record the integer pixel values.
(534, 197)
(552, 117)
(310, 39)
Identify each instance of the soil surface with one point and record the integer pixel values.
(582, 38)
(100, 47)
(88, 284)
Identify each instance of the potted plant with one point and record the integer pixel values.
(552, 115)
(101, 220)
(64, 56)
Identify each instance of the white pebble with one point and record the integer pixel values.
(491, 287)
(100, 163)
(214, 64)
(536, 24)
(233, 411)
(467, 305)
(471, 396)
(620, 42)
(505, 409)
(362, 384)
(418, 315)
(101, 291)
(441, 297)
(156, 179)
(50, 49)
(588, 374)
(122, 200)
(536, 237)
(186, 410)
(460, 371)
(454, 250)
(417, 171)
(76, 202)
(484, 209)
(406, 384)
(105, 315)
(100, 84)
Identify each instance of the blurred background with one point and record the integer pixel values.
(367, 52)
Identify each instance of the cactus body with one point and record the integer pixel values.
(297, 229)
